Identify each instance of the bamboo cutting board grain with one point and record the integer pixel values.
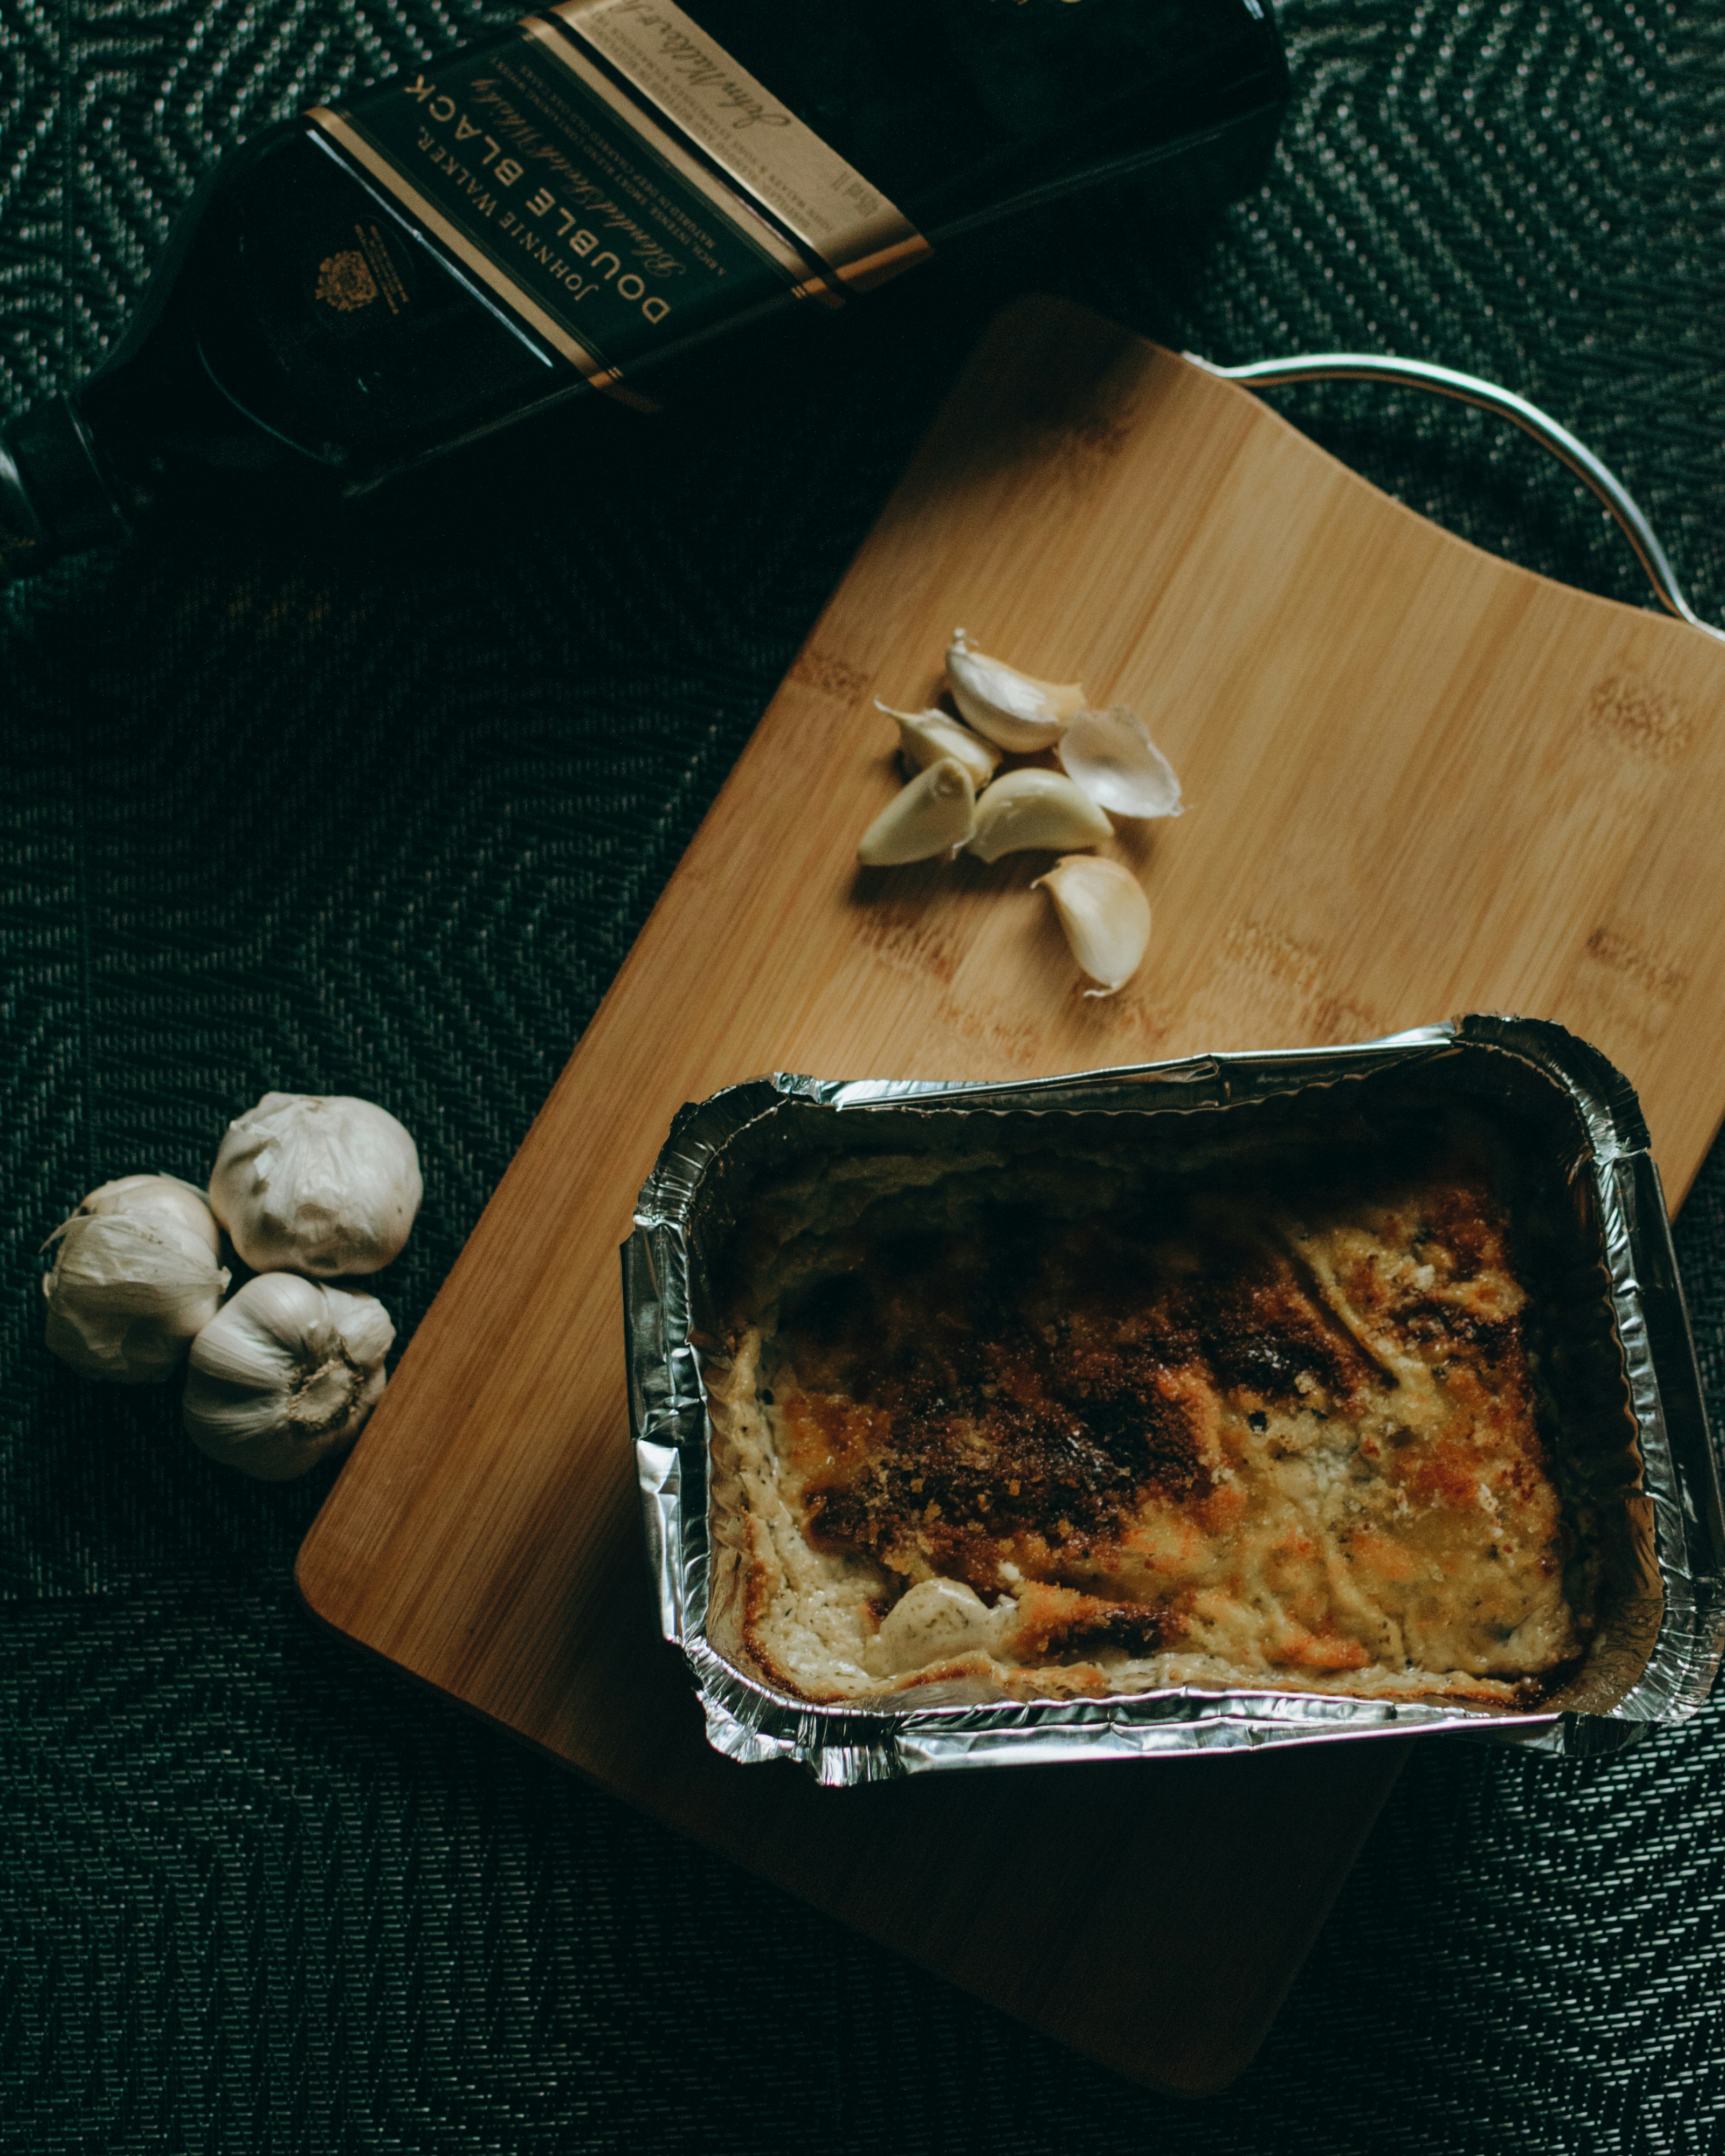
(1420, 782)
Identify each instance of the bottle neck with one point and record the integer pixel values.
(54, 497)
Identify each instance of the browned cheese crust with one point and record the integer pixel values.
(1276, 1440)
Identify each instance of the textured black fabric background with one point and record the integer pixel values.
(379, 810)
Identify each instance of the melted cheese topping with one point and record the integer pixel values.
(1284, 1442)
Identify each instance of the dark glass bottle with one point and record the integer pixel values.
(578, 202)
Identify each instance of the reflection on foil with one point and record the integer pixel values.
(1640, 1448)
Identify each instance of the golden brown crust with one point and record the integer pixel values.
(1281, 1437)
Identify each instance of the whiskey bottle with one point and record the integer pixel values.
(575, 205)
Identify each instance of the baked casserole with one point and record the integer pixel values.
(1046, 1424)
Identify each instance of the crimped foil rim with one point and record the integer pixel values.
(748, 1720)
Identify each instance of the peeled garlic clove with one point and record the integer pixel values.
(1015, 709)
(934, 1621)
(1028, 809)
(934, 814)
(319, 1183)
(135, 1277)
(1112, 758)
(287, 1373)
(925, 737)
(1105, 915)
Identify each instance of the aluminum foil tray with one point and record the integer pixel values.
(1637, 1435)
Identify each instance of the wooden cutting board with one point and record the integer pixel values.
(1420, 782)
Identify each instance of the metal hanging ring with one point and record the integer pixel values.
(1484, 397)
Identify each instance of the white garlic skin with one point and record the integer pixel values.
(934, 814)
(135, 1277)
(1111, 754)
(285, 1374)
(318, 1183)
(1014, 710)
(1105, 915)
(1033, 809)
(924, 737)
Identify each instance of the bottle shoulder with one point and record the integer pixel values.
(275, 147)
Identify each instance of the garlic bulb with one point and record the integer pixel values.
(1015, 709)
(318, 1183)
(1034, 808)
(286, 1372)
(933, 814)
(1112, 758)
(924, 737)
(1105, 915)
(134, 1277)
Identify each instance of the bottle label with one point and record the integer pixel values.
(614, 218)
(670, 61)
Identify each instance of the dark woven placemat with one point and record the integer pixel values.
(379, 809)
